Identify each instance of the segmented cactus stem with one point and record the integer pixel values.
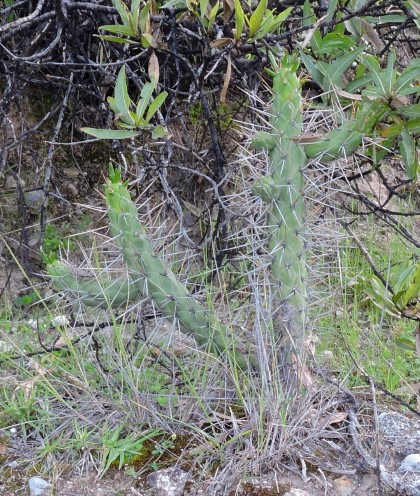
(106, 293)
(156, 280)
(283, 191)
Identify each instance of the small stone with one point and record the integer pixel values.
(168, 481)
(71, 172)
(72, 191)
(343, 486)
(296, 492)
(34, 198)
(38, 486)
(411, 463)
(10, 183)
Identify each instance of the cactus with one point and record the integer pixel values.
(342, 142)
(107, 293)
(283, 191)
(150, 277)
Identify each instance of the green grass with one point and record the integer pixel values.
(361, 335)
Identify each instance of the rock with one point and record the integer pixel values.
(296, 492)
(34, 198)
(38, 486)
(72, 190)
(343, 486)
(402, 433)
(411, 463)
(168, 481)
(10, 183)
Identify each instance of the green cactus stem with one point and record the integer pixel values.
(152, 278)
(283, 191)
(342, 142)
(106, 293)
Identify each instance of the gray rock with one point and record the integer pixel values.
(168, 481)
(411, 463)
(38, 486)
(343, 486)
(401, 432)
(10, 183)
(34, 198)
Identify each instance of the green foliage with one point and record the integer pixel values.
(135, 24)
(261, 22)
(119, 449)
(53, 243)
(130, 116)
(403, 290)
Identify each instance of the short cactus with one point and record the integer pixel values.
(151, 278)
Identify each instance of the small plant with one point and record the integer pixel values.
(119, 450)
(130, 116)
(135, 24)
(53, 244)
(261, 22)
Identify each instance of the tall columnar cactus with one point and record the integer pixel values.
(151, 278)
(283, 191)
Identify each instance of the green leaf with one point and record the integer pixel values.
(412, 125)
(280, 18)
(110, 133)
(135, 13)
(410, 74)
(213, 14)
(409, 154)
(335, 70)
(112, 104)
(406, 343)
(335, 41)
(122, 11)
(146, 40)
(390, 74)
(144, 18)
(155, 105)
(267, 26)
(118, 29)
(239, 20)
(256, 17)
(380, 296)
(159, 132)
(122, 99)
(313, 70)
(145, 96)
(377, 74)
(204, 5)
